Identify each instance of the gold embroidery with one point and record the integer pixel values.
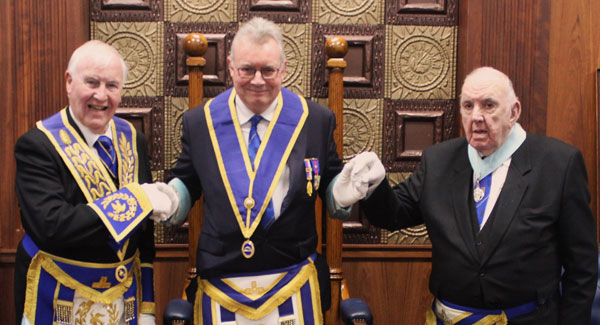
(113, 313)
(88, 170)
(127, 159)
(65, 137)
(120, 212)
(129, 312)
(95, 319)
(82, 312)
(63, 312)
(102, 284)
(254, 289)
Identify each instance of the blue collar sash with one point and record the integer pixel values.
(121, 210)
(249, 191)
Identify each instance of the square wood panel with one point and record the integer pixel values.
(411, 126)
(216, 78)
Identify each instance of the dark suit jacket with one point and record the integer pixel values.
(54, 211)
(292, 237)
(540, 223)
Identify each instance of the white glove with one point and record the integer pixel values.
(147, 319)
(359, 177)
(171, 192)
(164, 202)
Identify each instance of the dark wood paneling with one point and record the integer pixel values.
(574, 59)
(37, 40)
(511, 36)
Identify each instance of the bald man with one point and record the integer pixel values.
(507, 212)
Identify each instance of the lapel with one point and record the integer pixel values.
(510, 197)
(461, 180)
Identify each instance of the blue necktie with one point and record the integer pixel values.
(253, 144)
(106, 151)
(485, 184)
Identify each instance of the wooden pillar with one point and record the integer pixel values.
(335, 48)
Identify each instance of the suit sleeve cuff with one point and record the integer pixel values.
(335, 210)
(185, 203)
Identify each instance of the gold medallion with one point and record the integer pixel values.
(309, 188)
(249, 203)
(248, 248)
(121, 273)
(478, 194)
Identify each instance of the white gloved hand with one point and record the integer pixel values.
(147, 319)
(359, 177)
(171, 192)
(161, 202)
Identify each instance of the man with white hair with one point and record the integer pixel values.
(507, 212)
(87, 254)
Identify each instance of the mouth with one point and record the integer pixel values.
(97, 108)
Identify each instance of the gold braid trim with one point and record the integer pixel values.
(45, 261)
(308, 271)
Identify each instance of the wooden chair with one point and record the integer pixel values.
(343, 308)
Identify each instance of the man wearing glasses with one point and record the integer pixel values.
(259, 154)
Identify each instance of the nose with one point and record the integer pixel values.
(477, 113)
(258, 78)
(101, 93)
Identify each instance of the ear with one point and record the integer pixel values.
(231, 70)
(284, 69)
(515, 112)
(69, 82)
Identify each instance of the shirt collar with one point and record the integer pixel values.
(245, 114)
(89, 136)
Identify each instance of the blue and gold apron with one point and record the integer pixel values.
(293, 291)
(52, 280)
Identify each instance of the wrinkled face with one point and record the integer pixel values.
(256, 92)
(94, 92)
(487, 112)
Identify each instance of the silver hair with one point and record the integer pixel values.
(258, 30)
(98, 50)
(512, 96)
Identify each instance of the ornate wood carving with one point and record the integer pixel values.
(425, 12)
(126, 10)
(146, 114)
(282, 11)
(216, 78)
(410, 126)
(364, 78)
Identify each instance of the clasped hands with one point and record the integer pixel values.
(164, 200)
(359, 178)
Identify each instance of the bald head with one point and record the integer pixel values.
(489, 109)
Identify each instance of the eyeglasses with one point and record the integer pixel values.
(248, 72)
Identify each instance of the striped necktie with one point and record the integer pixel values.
(106, 151)
(253, 145)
